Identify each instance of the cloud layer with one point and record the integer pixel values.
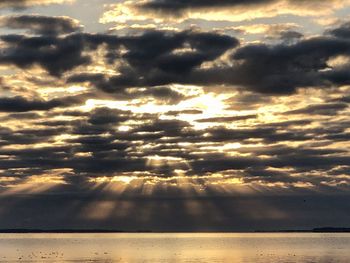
(198, 111)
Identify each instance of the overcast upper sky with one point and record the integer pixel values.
(174, 114)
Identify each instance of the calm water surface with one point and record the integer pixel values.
(217, 247)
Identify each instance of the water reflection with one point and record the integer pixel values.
(216, 247)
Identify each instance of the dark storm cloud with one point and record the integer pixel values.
(217, 164)
(308, 162)
(165, 94)
(338, 76)
(290, 36)
(105, 116)
(152, 51)
(106, 156)
(177, 6)
(167, 127)
(96, 137)
(25, 3)
(42, 25)
(343, 31)
(98, 144)
(270, 69)
(96, 148)
(63, 158)
(22, 116)
(20, 104)
(282, 150)
(287, 124)
(47, 152)
(151, 60)
(157, 58)
(28, 136)
(175, 113)
(54, 54)
(270, 176)
(268, 134)
(175, 131)
(229, 119)
(281, 69)
(303, 160)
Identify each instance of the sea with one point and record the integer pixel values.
(176, 247)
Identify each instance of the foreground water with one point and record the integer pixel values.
(216, 247)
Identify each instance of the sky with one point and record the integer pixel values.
(174, 115)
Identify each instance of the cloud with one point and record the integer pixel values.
(343, 31)
(166, 94)
(170, 6)
(20, 104)
(50, 52)
(161, 12)
(280, 69)
(105, 116)
(157, 58)
(330, 109)
(228, 119)
(28, 3)
(271, 69)
(93, 146)
(212, 165)
(41, 25)
(178, 5)
(185, 57)
(28, 136)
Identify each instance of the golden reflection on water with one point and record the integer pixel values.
(180, 247)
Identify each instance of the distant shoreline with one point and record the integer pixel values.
(106, 231)
(314, 230)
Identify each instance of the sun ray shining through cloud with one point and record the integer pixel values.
(210, 111)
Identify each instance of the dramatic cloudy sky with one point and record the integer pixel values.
(174, 114)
